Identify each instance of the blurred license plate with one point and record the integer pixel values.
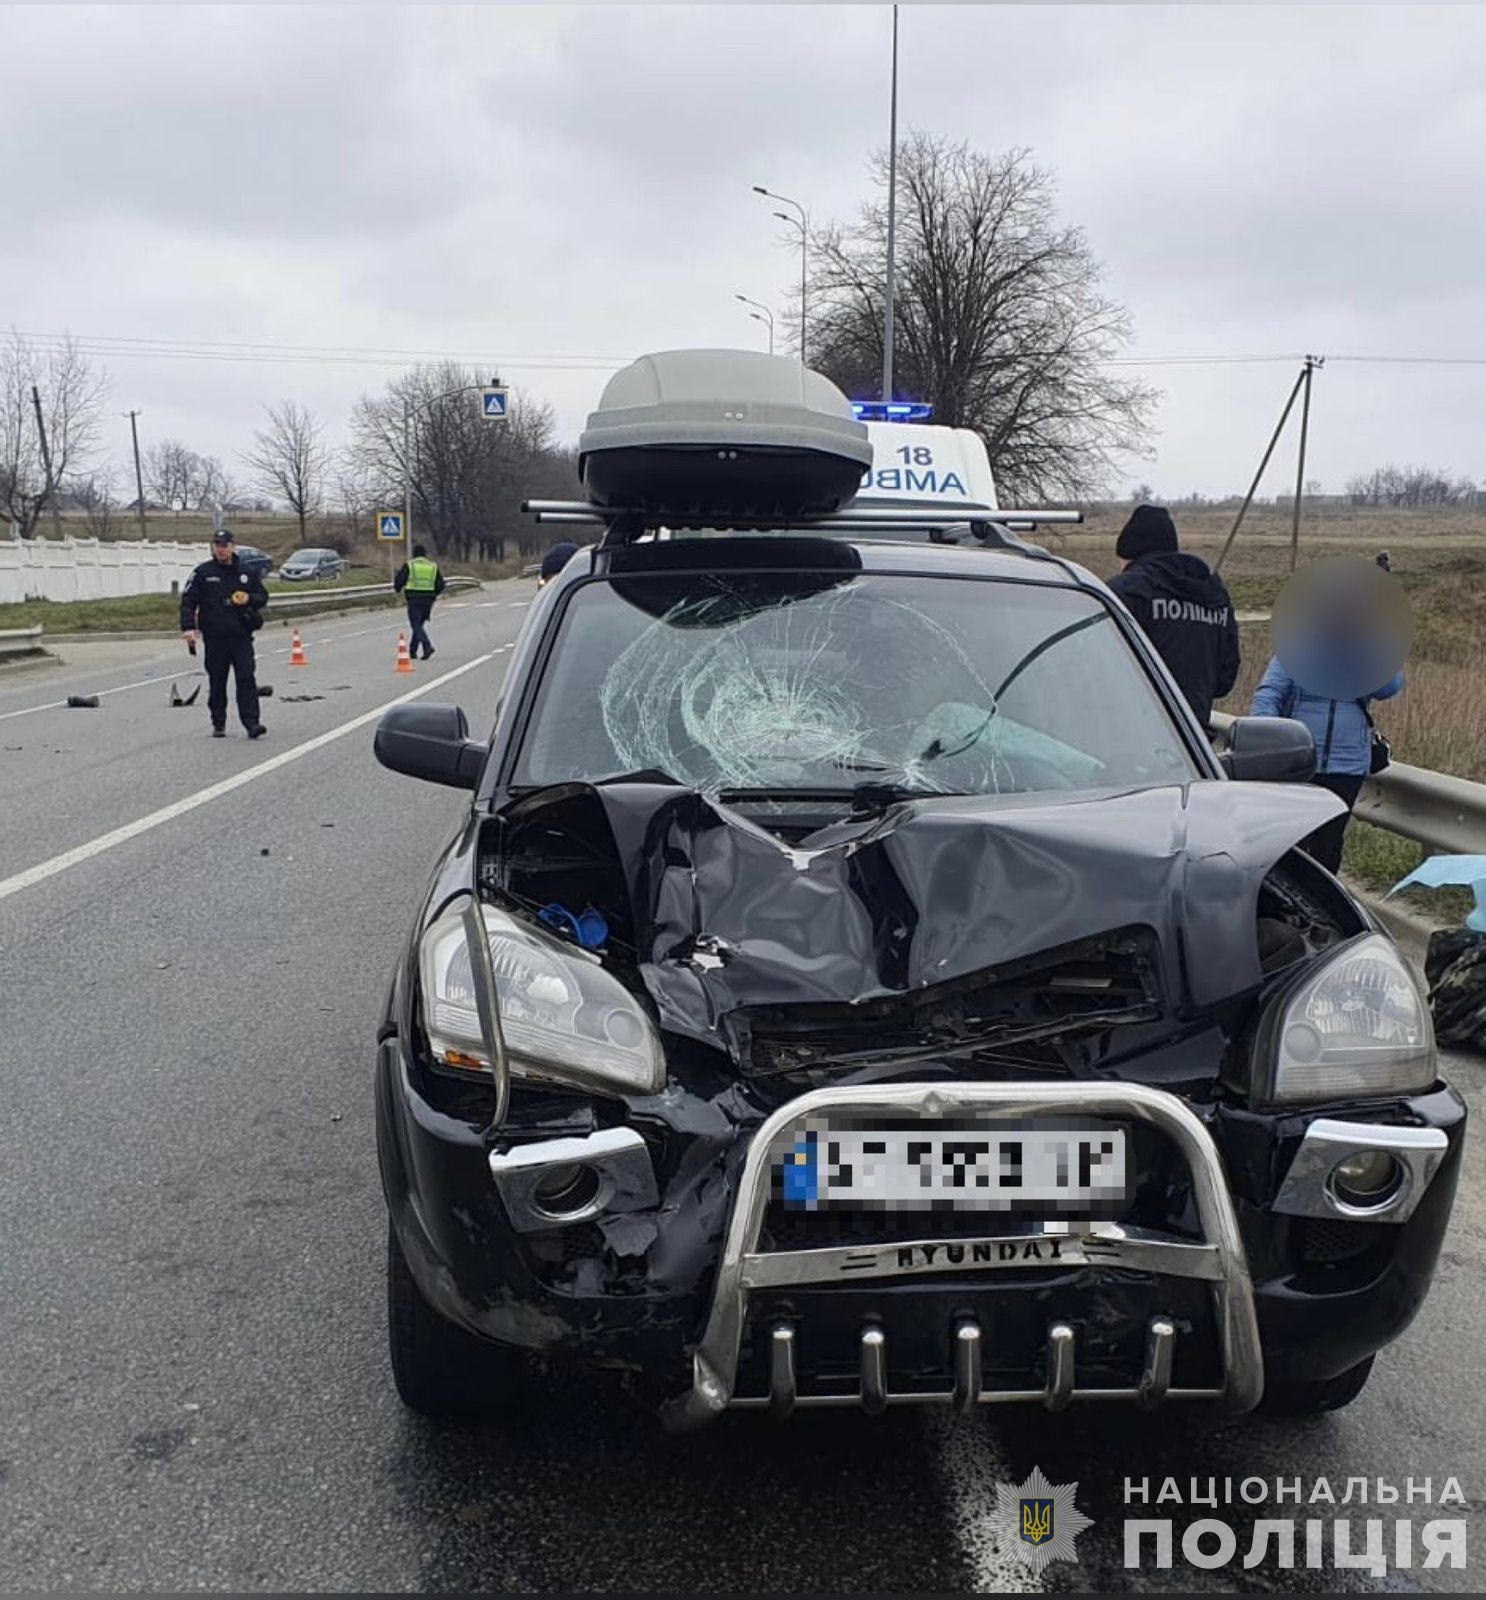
(953, 1169)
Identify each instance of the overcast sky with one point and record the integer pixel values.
(530, 185)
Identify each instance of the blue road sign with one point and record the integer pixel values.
(389, 526)
(493, 403)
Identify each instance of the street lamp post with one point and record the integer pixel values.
(767, 316)
(892, 220)
(408, 412)
(802, 222)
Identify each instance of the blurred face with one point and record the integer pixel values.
(1342, 627)
(225, 553)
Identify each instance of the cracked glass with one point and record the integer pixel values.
(775, 682)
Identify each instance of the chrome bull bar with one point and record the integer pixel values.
(1217, 1258)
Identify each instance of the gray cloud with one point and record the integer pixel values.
(544, 180)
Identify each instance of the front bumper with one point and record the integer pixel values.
(675, 1274)
(1216, 1258)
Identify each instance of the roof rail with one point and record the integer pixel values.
(992, 527)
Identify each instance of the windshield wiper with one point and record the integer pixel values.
(936, 751)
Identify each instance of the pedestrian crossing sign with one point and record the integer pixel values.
(389, 527)
(493, 402)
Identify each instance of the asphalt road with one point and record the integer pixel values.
(195, 1389)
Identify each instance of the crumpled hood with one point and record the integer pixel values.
(726, 916)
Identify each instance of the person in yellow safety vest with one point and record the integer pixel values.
(420, 582)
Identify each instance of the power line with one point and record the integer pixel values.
(163, 348)
(277, 345)
(1418, 361)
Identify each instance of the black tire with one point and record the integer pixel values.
(440, 1370)
(1309, 1398)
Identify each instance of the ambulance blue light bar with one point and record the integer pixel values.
(892, 410)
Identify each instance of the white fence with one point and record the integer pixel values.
(89, 569)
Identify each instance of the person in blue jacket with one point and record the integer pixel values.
(1342, 731)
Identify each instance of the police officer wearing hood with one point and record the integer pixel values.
(1183, 606)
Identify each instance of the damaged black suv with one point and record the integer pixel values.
(858, 981)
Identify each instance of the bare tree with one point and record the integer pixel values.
(72, 396)
(181, 480)
(94, 497)
(468, 476)
(212, 489)
(288, 459)
(1000, 318)
(171, 472)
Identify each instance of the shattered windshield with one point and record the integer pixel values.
(775, 682)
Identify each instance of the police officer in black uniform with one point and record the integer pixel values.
(223, 603)
(1183, 606)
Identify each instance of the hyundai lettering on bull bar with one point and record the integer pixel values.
(1037, 1522)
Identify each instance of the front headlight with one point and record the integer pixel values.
(564, 1019)
(1358, 1027)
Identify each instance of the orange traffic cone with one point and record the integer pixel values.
(404, 660)
(297, 657)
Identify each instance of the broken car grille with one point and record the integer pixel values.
(1024, 1015)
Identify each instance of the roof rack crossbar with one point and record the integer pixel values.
(580, 511)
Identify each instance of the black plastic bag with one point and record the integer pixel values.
(1455, 967)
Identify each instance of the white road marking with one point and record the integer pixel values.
(178, 808)
(163, 680)
(968, 1461)
(517, 605)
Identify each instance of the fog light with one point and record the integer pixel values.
(1367, 1179)
(565, 1190)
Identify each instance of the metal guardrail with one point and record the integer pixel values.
(282, 600)
(1441, 812)
(20, 641)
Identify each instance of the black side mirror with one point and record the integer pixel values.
(1269, 750)
(431, 742)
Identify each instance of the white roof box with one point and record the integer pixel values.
(716, 435)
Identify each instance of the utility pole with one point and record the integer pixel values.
(138, 475)
(1274, 439)
(892, 220)
(1311, 363)
(46, 457)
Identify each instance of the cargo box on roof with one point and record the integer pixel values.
(711, 436)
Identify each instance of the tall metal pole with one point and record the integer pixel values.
(407, 480)
(46, 458)
(1274, 439)
(892, 224)
(804, 259)
(803, 224)
(138, 475)
(1305, 418)
(767, 316)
